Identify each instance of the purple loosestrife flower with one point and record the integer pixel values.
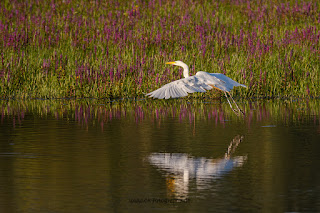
(111, 74)
(260, 78)
(307, 74)
(203, 50)
(307, 90)
(2, 60)
(118, 74)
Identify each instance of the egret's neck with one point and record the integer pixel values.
(185, 71)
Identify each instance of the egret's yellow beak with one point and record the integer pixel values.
(172, 62)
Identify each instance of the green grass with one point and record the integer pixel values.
(115, 50)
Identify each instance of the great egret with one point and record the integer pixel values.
(200, 82)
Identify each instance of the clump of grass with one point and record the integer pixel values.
(108, 49)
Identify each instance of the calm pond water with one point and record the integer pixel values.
(159, 156)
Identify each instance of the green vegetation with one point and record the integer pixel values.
(113, 49)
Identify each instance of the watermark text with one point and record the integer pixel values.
(158, 200)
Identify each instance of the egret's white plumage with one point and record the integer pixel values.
(200, 82)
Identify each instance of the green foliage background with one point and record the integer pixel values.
(112, 49)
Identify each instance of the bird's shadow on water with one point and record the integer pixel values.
(182, 171)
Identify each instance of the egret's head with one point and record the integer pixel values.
(181, 64)
(177, 63)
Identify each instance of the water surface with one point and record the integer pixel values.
(176, 155)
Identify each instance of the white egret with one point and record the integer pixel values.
(200, 82)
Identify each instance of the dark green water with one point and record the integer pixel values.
(133, 156)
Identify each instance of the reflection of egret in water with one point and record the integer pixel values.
(181, 168)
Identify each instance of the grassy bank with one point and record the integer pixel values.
(110, 49)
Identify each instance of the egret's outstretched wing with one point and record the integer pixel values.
(201, 82)
(181, 88)
(226, 83)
